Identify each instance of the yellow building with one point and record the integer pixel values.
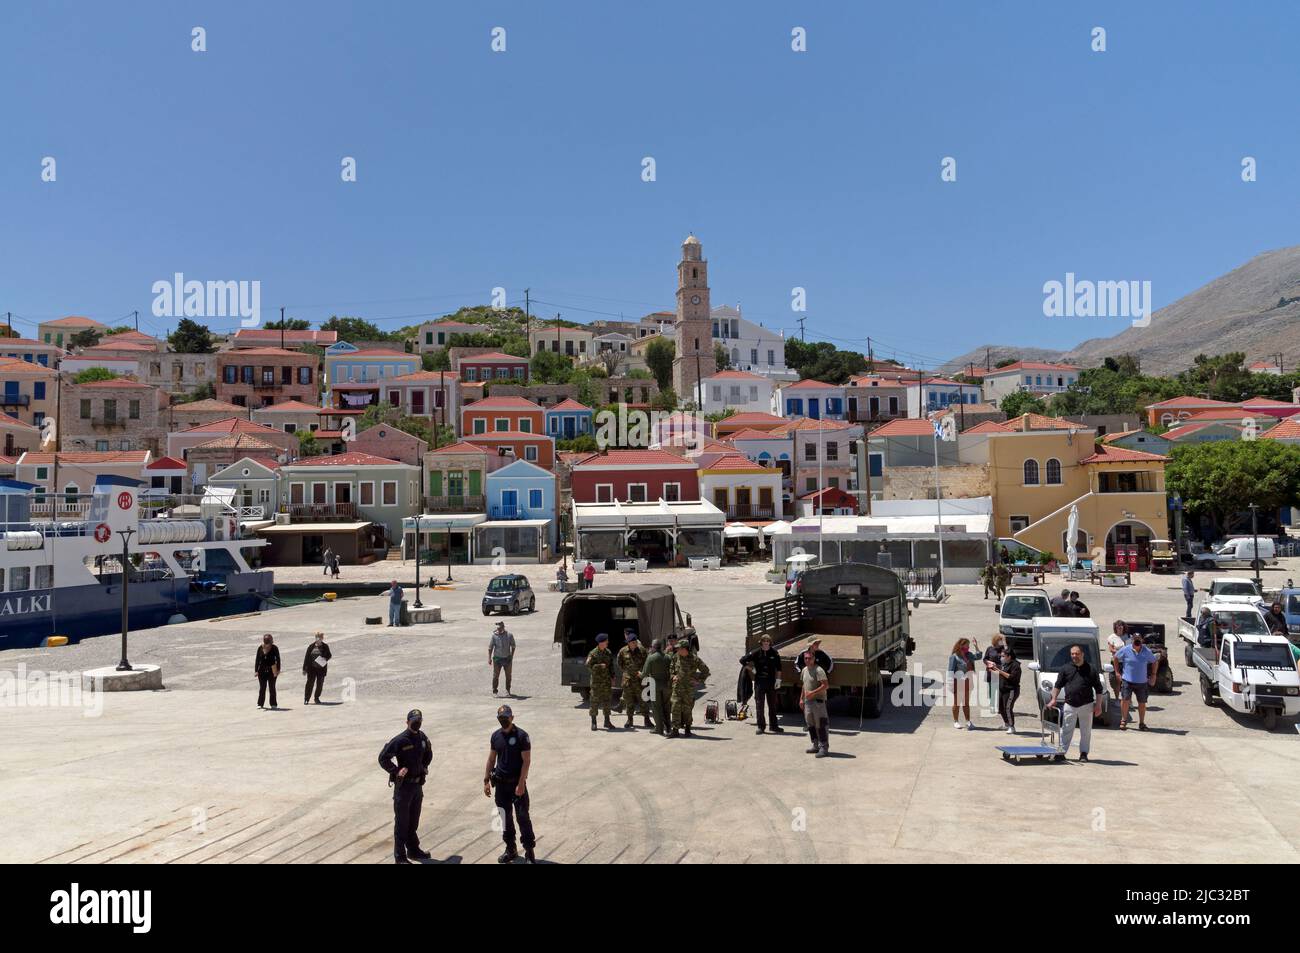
(27, 391)
(1037, 475)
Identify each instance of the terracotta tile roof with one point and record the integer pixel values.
(503, 403)
(116, 382)
(807, 423)
(1027, 422)
(73, 321)
(1190, 402)
(167, 463)
(437, 377)
(1222, 413)
(13, 423)
(236, 441)
(308, 336)
(83, 457)
(1288, 429)
(808, 384)
(750, 434)
(288, 407)
(1115, 435)
(1266, 402)
(750, 417)
(210, 405)
(506, 435)
(6, 341)
(1178, 433)
(233, 425)
(353, 458)
(461, 447)
(633, 458)
(492, 357)
(1109, 454)
(989, 426)
(567, 404)
(904, 427)
(229, 357)
(374, 352)
(327, 434)
(16, 365)
(734, 376)
(734, 461)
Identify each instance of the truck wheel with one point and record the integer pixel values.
(1187, 655)
(1207, 691)
(1257, 565)
(1270, 719)
(1165, 681)
(875, 698)
(532, 604)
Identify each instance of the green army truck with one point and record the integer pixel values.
(651, 611)
(859, 612)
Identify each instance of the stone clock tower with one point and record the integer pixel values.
(694, 326)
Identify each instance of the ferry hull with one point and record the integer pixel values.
(27, 619)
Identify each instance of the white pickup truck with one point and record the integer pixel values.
(1238, 589)
(1241, 664)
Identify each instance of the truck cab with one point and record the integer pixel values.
(1234, 589)
(1016, 614)
(1052, 640)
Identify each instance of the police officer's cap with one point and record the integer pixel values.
(413, 714)
(505, 712)
(631, 636)
(602, 638)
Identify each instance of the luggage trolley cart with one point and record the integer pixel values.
(1047, 749)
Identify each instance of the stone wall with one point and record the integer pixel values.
(917, 483)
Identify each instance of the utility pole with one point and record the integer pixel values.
(988, 360)
(528, 324)
(137, 319)
(282, 329)
(1255, 561)
(801, 334)
(871, 364)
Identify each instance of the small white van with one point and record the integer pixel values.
(1240, 551)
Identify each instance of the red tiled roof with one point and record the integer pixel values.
(1028, 422)
(233, 425)
(236, 441)
(808, 383)
(460, 447)
(13, 422)
(327, 434)
(243, 352)
(448, 377)
(1190, 402)
(506, 435)
(752, 417)
(74, 321)
(989, 426)
(735, 461)
(7, 341)
(210, 405)
(167, 463)
(807, 423)
(904, 427)
(751, 434)
(567, 404)
(1111, 454)
(293, 406)
(1221, 413)
(353, 458)
(1177, 433)
(1266, 402)
(492, 357)
(374, 352)
(633, 458)
(122, 382)
(16, 365)
(273, 334)
(503, 403)
(1288, 429)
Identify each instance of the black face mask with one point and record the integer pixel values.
(415, 724)
(505, 722)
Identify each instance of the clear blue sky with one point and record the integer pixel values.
(478, 169)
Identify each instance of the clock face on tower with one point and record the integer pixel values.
(695, 299)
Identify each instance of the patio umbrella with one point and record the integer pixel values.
(1071, 533)
(739, 531)
(779, 528)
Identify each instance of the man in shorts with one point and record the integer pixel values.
(1137, 667)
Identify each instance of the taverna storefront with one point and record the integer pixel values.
(662, 532)
(472, 538)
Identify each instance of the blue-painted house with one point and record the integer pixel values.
(522, 493)
(569, 419)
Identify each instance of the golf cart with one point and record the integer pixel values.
(794, 569)
(1164, 558)
(1153, 637)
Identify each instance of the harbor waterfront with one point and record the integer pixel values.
(300, 784)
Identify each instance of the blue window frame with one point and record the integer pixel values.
(534, 499)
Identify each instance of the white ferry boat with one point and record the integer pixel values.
(63, 577)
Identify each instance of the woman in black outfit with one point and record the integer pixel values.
(1008, 676)
(266, 665)
(313, 669)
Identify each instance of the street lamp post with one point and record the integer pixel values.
(1254, 559)
(126, 534)
(449, 579)
(417, 604)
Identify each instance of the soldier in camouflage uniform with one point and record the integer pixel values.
(686, 670)
(631, 658)
(656, 674)
(989, 576)
(1001, 579)
(600, 663)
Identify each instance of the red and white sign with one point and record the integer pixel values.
(102, 533)
(124, 500)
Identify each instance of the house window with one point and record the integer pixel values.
(753, 355)
(295, 492)
(227, 373)
(101, 446)
(133, 409)
(771, 358)
(530, 453)
(471, 373)
(110, 411)
(604, 492)
(366, 493)
(1053, 471)
(519, 373)
(501, 424)
(810, 484)
(534, 499)
(480, 425)
(1031, 473)
(810, 451)
(832, 451)
(672, 492)
(85, 409)
(246, 374)
(525, 425)
(636, 492)
(390, 493)
(304, 375)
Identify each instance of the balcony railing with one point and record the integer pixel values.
(107, 423)
(322, 512)
(750, 511)
(454, 504)
(514, 512)
(15, 400)
(267, 385)
(61, 509)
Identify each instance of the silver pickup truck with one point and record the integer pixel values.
(1242, 664)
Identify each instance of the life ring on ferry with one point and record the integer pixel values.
(103, 533)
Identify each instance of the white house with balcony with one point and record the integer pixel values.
(750, 347)
(737, 390)
(1036, 377)
(939, 393)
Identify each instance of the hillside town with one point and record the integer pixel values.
(687, 435)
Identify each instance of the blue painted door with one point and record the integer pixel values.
(813, 408)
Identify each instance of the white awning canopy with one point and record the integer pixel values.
(739, 531)
(779, 528)
(438, 522)
(687, 514)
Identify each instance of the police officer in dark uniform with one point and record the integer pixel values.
(510, 755)
(764, 663)
(406, 759)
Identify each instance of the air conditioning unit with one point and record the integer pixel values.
(281, 519)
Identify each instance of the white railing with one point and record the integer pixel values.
(252, 512)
